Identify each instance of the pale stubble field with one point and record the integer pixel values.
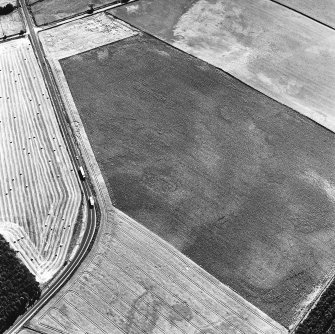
(39, 192)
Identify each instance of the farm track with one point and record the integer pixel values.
(39, 193)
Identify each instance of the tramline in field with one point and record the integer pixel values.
(39, 192)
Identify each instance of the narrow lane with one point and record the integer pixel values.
(66, 132)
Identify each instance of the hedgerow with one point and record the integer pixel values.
(7, 9)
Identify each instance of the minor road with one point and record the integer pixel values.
(66, 132)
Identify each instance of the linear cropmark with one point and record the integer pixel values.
(39, 193)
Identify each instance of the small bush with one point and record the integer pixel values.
(90, 9)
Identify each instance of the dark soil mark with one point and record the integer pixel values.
(143, 315)
(180, 312)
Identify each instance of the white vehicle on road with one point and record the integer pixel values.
(91, 201)
(81, 172)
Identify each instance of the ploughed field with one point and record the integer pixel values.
(39, 192)
(241, 184)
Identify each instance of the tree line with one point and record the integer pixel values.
(18, 287)
(7, 9)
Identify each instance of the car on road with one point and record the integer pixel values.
(91, 201)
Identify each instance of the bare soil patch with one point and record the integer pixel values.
(39, 193)
(236, 181)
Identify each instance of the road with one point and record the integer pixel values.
(74, 155)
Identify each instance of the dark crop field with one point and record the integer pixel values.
(48, 11)
(241, 184)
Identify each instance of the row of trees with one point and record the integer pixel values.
(7, 9)
(322, 316)
(18, 287)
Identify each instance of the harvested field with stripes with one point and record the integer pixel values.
(135, 283)
(39, 193)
